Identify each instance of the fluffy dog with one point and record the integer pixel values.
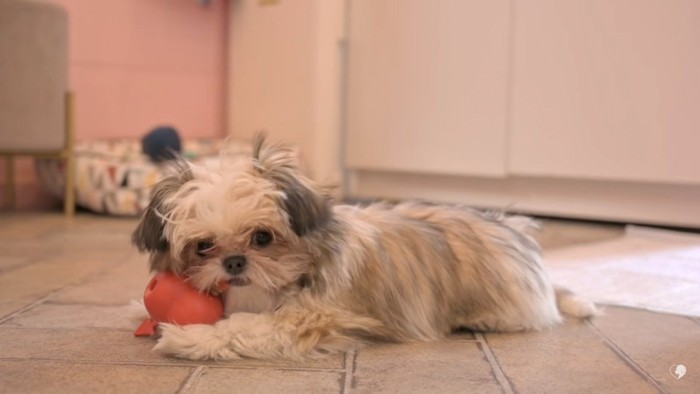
(309, 278)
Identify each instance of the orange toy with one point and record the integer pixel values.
(170, 299)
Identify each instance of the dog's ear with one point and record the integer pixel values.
(308, 209)
(148, 236)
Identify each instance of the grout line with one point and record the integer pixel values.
(626, 358)
(275, 367)
(30, 306)
(501, 377)
(26, 263)
(191, 380)
(350, 358)
(184, 364)
(57, 329)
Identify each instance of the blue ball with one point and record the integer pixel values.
(162, 143)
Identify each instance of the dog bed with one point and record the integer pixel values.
(114, 177)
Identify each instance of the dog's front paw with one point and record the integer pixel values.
(194, 342)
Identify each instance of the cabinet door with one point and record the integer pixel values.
(607, 90)
(427, 86)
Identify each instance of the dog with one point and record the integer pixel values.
(310, 278)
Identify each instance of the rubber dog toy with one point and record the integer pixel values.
(170, 299)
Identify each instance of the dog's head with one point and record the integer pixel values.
(244, 223)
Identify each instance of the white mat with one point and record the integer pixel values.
(646, 268)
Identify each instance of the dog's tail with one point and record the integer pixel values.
(573, 305)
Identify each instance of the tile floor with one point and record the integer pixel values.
(64, 286)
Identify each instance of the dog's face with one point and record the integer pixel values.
(244, 224)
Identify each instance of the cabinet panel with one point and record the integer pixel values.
(427, 86)
(607, 90)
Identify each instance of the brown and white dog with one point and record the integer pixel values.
(310, 278)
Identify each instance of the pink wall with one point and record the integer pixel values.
(135, 64)
(138, 63)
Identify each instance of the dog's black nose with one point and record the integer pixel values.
(235, 265)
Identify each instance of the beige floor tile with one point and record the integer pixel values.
(58, 377)
(96, 247)
(97, 242)
(10, 261)
(656, 342)
(120, 346)
(7, 308)
(26, 249)
(447, 366)
(91, 222)
(19, 247)
(55, 316)
(571, 358)
(99, 231)
(218, 380)
(31, 282)
(117, 285)
(89, 345)
(40, 233)
(32, 226)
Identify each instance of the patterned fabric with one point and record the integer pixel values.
(115, 178)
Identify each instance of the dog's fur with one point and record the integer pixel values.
(333, 277)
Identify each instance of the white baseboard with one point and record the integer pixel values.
(646, 203)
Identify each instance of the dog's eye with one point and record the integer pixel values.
(262, 238)
(205, 247)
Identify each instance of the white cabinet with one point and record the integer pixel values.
(583, 108)
(427, 86)
(284, 77)
(607, 90)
